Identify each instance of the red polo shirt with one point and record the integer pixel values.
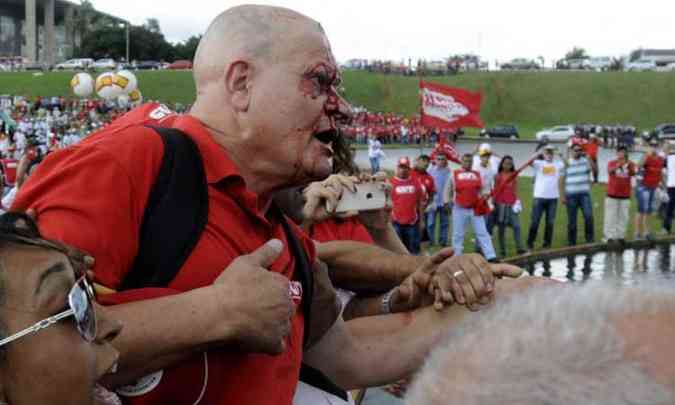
(341, 229)
(426, 181)
(92, 195)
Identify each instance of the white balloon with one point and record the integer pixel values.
(106, 87)
(82, 84)
(123, 101)
(136, 97)
(127, 81)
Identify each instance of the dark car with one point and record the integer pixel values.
(664, 132)
(501, 131)
(180, 65)
(148, 65)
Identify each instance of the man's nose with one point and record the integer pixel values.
(339, 109)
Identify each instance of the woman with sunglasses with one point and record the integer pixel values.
(54, 338)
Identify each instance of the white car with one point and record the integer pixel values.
(104, 64)
(559, 133)
(668, 68)
(74, 64)
(641, 65)
(600, 63)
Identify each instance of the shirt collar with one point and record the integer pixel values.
(217, 163)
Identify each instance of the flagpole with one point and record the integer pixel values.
(419, 97)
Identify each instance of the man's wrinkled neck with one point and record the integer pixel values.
(254, 170)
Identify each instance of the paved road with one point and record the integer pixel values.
(520, 151)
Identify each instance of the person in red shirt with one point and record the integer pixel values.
(420, 174)
(651, 166)
(507, 204)
(591, 148)
(407, 195)
(617, 203)
(464, 190)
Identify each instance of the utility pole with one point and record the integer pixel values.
(128, 61)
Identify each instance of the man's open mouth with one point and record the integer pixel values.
(328, 136)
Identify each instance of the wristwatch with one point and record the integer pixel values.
(385, 305)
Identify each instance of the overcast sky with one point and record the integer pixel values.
(433, 29)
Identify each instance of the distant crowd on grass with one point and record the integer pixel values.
(32, 128)
(483, 192)
(391, 128)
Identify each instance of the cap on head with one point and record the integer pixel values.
(404, 162)
(484, 149)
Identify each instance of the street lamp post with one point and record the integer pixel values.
(127, 42)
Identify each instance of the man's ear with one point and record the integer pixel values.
(237, 83)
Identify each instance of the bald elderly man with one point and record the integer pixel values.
(596, 344)
(231, 327)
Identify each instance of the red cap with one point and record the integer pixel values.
(404, 161)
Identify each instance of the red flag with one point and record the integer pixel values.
(447, 149)
(449, 107)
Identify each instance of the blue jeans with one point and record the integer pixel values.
(541, 205)
(574, 202)
(445, 225)
(645, 199)
(375, 165)
(460, 218)
(409, 235)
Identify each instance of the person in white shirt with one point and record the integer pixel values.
(546, 194)
(375, 152)
(488, 173)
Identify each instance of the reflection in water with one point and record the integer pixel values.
(625, 266)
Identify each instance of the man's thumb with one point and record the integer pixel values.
(506, 270)
(266, 254)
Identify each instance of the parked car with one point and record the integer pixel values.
(600, 63)
(520, 64)
(107, 64)
(578, 64)
(35, 66)
(147, 65)
(667, 68)
(501, 131)
(641, 65)
(180, 64)
(73, 64)
(558, 133)
(664, 132)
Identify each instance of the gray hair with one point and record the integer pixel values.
(551, 346)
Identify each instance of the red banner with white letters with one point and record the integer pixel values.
(449, 107)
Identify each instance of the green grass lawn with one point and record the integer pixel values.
(530, 100)
(525, 186)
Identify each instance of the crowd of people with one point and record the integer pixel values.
(393, 128)
(201, 258)
(483, 191)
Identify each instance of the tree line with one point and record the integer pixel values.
(101, 36)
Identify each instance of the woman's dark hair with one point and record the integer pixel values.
(343, 157)
(501, 163)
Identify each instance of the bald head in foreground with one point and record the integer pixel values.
(266, 80)
(597, 344)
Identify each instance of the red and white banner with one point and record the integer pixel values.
(449, 107)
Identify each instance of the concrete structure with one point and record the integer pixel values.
(39, 30)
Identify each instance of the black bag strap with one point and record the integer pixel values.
(175, 215)
(311, 376)
(303, 269)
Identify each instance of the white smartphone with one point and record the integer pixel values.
(368, 196)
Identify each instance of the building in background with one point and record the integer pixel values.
(39, 30)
